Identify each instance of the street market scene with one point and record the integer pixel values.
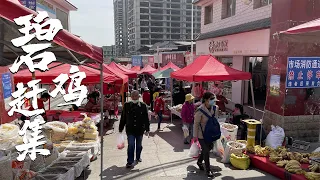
(179, 89)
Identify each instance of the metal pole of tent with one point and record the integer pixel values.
(254, 108)
(102, 116)
(171, 88)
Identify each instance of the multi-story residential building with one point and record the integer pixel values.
(151, 21)
(243, 34)
(120, 27)
(57, 9)
(108, 52)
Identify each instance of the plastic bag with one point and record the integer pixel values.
(232, 147)
(240, 162)
(276, 137)
(120, 141)
(194, 151)
(218, 148)
(25, 174)
(229, 131)
(185, 131)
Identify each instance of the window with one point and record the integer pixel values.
(156, 11)
(144, 4)
(144, 42)
(156, 4)
(176, 6)
(175, 36)
(144, 10)
(261, 3)
(156, 36)
(228, 8)
(175, 18)
(144, 23)
(144, 29)
(156, 17)
(208, 14)
(175, 31)
(144, 17)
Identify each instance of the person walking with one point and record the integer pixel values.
(135, 118)
(159, 108)
(143, 85)
(202, 116)
(187, 115)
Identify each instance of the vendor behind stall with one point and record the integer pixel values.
(40, 102)
(146, 96)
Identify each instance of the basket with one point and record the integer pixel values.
(242, 162)
(55, 133)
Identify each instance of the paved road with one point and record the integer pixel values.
(164, 157)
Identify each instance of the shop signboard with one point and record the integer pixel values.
(6, 89)
(43, 5)
(137, 61)
(175, 58)
(31, 4)
(303, 72)
(218, 46)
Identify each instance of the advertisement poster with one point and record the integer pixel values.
(31, 4)
(176, 58)
(303, 72)
(137, 61)
(7, 89)
(275, 85)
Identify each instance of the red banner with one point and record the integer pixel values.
(175, 58)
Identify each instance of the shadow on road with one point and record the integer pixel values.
(116, 172)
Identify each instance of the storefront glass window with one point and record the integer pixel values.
(258, 67)
(227, 85)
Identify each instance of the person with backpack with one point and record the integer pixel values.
(206, 129)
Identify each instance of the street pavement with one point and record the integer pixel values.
(164, 156)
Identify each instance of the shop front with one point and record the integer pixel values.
(248, 52)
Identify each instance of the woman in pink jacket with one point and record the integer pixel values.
(187, 115)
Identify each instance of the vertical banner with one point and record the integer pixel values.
(7, 89)
(303, 72)
(275, 85)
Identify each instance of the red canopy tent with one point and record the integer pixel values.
(170, 65)
(11, 9)
(123, 70)
(147, 70)
(135, 68)
(92, 75)
(307, 32)
(207, 68)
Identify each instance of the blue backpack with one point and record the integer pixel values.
(212, 130)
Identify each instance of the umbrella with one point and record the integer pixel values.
(163, 74)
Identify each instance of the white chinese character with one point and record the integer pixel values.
(74, 96)
(41, 33)
(296, 83)
(59, 81)
(303, 64)
(290, 84)
(312, 83)
(309, 62)
(20, 96)
(297, 64)
(291, 64)
(307, 83)
(301, 83)
(46, 58)
(30, 144)
(314, 64)
(26, 22)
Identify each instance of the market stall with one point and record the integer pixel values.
(136, 68)
(147, 70)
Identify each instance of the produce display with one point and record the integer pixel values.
(312, 175)
(314, 167)
(293, 166)
(262, 151)
(82, 130)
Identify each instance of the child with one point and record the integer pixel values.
(159, 108)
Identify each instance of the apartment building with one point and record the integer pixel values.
(152, 21)
(120, 8)
(109, 52)
(57, 9)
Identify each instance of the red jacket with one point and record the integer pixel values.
(146, 98)
(159, 105)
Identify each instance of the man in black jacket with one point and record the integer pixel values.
(136, 120)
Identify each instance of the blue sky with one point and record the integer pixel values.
(93, 21)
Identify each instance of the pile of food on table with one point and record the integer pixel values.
(72, 146)
(274, 158)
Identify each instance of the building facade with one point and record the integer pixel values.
(120, 8)
(152, 21)
(109, 53)
(240, 34)
(56, 9)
